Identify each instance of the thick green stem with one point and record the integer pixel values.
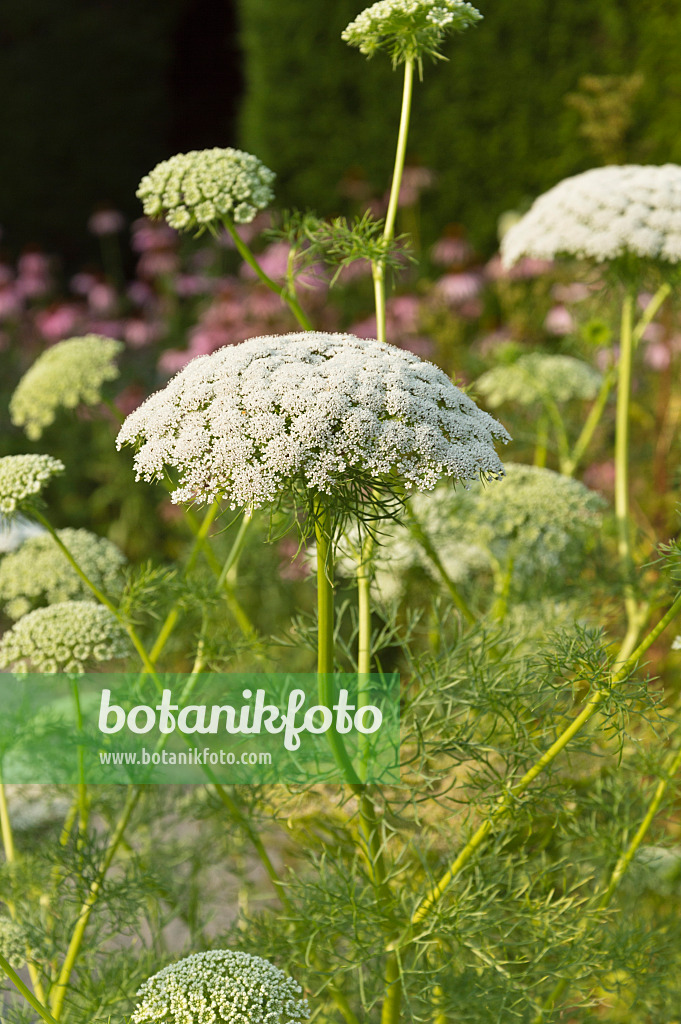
(6, 827)
(431, 551)
(378, 266)
(325, 633)
(229, 569)
(58, 992)
(507, 801)
(248, 257)
(390, 1012)
(364, 642)
(622, 466)
(83, 802)
(570, 464)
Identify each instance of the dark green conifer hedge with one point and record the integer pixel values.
(492, 121)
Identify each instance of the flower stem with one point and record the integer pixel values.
(364, 640)
(58, 992)
(570, 464)
(540, 449)
(248, 257)
(622, 468)
(325, 632)
(101, 597)
(41, 1010)
(378, 266)
(431, 551)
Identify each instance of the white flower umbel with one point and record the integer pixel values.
(604, 214)
(197, 189)
(220, 987)
(408, 29)
(321, 412)
(38, 573)
(66, 637)
(69, 374)
(22, 478)
(536, 376)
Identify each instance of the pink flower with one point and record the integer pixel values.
(353, 271)
(139, 333)
(158, 263)
(450, 250)
(657, 356)
(173, 360)
(106, 222)
(58, 322)
(414, 181)
(653, 332)
(141, 293)
(403, 312)
(189, 285)
(488, 343)
(524, 269)
(102, 298)
(454, 288)
(559, 321)
(34, 264)
(82, 283)
(420, 346)
(10, 302)
(148, 234)
(109, 328)
(273, 260)
(600, 476)
(6, 274)
(364, 328)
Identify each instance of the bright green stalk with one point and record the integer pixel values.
(364, 640)
(378, 266)
(624, 373)
(325, 632)
(228, 573)
(41, 1010)
(283, 293)
(83, 803)
(6, 827)
(559, 428)
(59, 989)
(507, 801)
(101, 597)
(431, 551)
(570, 464)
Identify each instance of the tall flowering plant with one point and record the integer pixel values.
(482, 887)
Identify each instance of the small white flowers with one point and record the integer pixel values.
(536, 376)
(197, 189)
(314, 410)
(604, 214)
(22, 478)
(38, 573)
(220, 987)
(68, 374)
(408, 29)
(65, 637)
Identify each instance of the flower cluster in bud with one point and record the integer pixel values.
(220, 987)
(201, 188)
(39, 574)
(22, 478)
(604, 214)
(536, 376)
(65, 637)
(408, 29)
(309, 411)
(69, 374)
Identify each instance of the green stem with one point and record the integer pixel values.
(431, 551)
(229, 569)
(507, 801)
(390, 1012)
(6, 827)
(378, 266)
(571, 463)
(83, 809)
(248, 257)
(622, 464)
(41, 1010)
(325, 633)
(559, 427)
(364, 641)
(101, 597)
(650, 312)
(59, 989)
